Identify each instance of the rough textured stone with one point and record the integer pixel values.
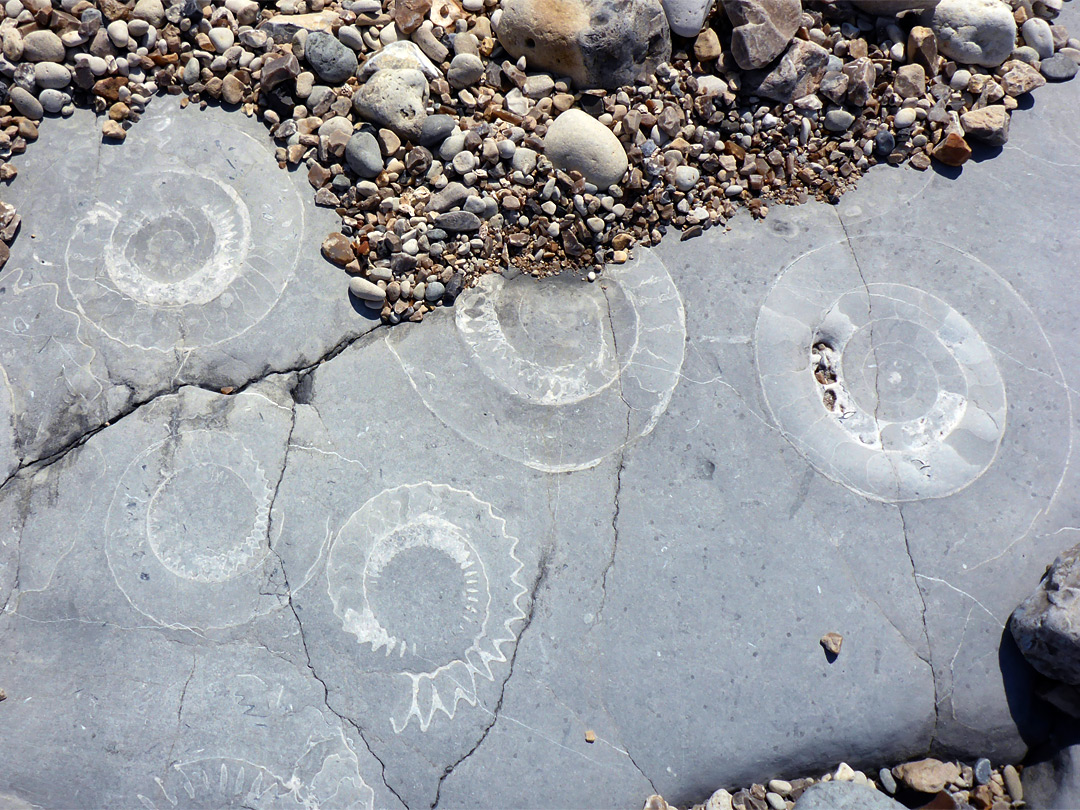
(989, 124)
(953, 150)
(1046, 626)
(394, 99)
(975, 32)
(597, 43)
(927, 775)
(762, 29)
(283, 27)
(333, 61)
(1020, 78)
(798, 73)
(577, 141)
(910, 81)
(840, 795)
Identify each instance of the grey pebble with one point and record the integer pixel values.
(458, 221)
(25, 103)
(363, 155)
(436, 129)
(884, 142)
(838, 120)
(1058, 68)
(465, 69)
(434, 291)
(332, 60)
(983, 771)
(887, 781)
(52, 101)
(454, 194)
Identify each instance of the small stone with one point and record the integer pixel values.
(25, 103)
(222, 38)
(436, 128)
(363, 155)
(113, 129)
(1036, 33)
(1012, 783)
(337, 248)
(831, 643)
(366, 290)
(232, 89)
(983, 771)
(886, 780)
(523, 160)
(453, 195)
(779, 786)
(394, 99)
(1020, 78)
(953, 150)
(538, 85)
(45, 46)
(152, 11)
(910, 81)
(458, 222)
(927, 775)
(775, 801)
(989, 124)
(905, 118)
(52, 101)
(797, 74)
(762, 29)
(707, 46)
(276, 70)
(576, 141)
(838, 120)
(410, 14)
(922, 48)
(686, 177)
(465, 70)
(434, 291)
(333, 61)
(49, 75)
(1058, 68)
(686, 17)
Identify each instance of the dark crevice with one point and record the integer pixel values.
(302, 369)
(929, 659)
(179, 715)
(541, 577)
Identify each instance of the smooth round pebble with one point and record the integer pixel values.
(983, 771)
(905, 118)
(888, 782)
(838, 120)
(434, 291)
(52, 101)
(1058, 68)
(576, 141)
(686, 177)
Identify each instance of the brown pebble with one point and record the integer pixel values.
(831, 643)
(590, 736)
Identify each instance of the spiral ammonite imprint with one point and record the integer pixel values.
(886, 387)
(427, 579)
(545, 373)
(187, 534)
(172, 258)
(227, 783)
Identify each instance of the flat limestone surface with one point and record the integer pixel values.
(427, 571)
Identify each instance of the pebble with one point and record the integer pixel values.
(1012, 783)
(363, 155)
(458, 221)
(434, 291)
(1036, 33)
(983, 771)
(905, 118)
(576, 141)
(465, 70)
(43, 46)
(523, 160)
(686, 177)
(1058, 68)
(52, 101)
(332, 60)
(838, 120)
(222, 38)
(888, 783)
(25, 103)
(366, 290)
(51, 75)
(394, 99)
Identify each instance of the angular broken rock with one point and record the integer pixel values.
(597, 43)
(927, 775)
(686, 17)
(990, 124)
(762, 29)
(282, 27)
(409, 14)
(1020, 78)
(1046, 626)
(399, 55)
(975, 32)
(831, 643)
(953, 150)
(861, 76)
(798, 74)
(395, 99)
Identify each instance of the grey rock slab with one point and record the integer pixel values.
(1043, 625)
(111, 317)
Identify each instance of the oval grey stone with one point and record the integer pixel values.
(332, 60)
(434, 291)
(363, 155)
(366, 290)
(458, 221)
(1058, 68)
(436, 128)
(50, 75)
(25, 103)
(52, 101)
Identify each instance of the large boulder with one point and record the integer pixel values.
(762, 29)
(576, 141)
(597, 43)
(798, 73)
(974, 32)
(1046, 626)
